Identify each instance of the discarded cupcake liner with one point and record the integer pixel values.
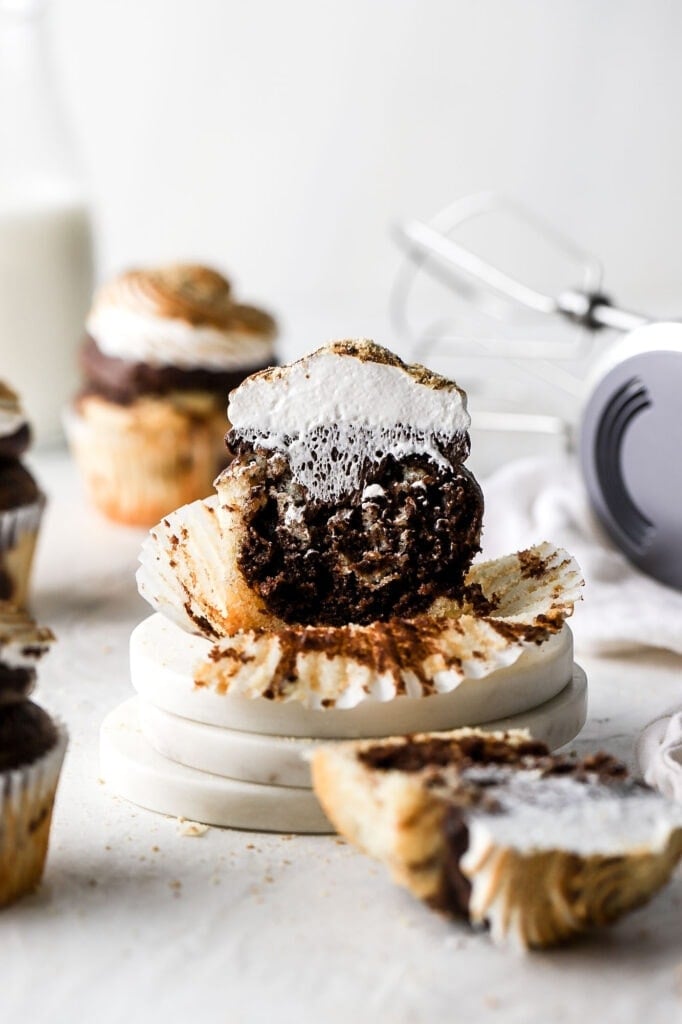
(659, 752)
(530, 882)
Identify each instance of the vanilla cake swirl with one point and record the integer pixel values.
(348, 489)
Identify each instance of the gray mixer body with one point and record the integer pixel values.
(631, 449)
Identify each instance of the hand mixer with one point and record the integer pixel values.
(629, 430)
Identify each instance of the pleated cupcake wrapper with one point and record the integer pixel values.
(18, 535)
(27, 799)
(528, 596)
(135, 477)
(16, 522)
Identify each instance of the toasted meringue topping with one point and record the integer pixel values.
(12, 416)
(348, 403)
(181, 315)
(186, 292)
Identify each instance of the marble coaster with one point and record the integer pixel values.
(134, 770)
(162, 660)
(280, 760)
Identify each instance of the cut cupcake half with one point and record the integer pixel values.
(492, 827)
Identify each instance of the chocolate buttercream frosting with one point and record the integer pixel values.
(26, 734)
(122, 381)
(17, 486)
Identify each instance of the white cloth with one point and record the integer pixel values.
(544, 499)
(659, 752)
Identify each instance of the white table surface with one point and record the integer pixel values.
(137, 922)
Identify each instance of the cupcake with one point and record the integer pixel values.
(163, 350)
(21, 502)
(32, 749)
(329, 590)
(493, 828)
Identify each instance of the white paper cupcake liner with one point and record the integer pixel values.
(527, 597)
(19, 529)
(139, 462)
(324, 667)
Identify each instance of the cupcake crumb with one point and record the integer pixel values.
(191, 828)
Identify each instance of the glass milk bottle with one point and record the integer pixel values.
(46, 262)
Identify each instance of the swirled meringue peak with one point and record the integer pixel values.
(180, 315)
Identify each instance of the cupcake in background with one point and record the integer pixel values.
(21, 502)
(163, 350)
(32, 749)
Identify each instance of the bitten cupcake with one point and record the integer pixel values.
(163, 350)
(32, 749)
(21, 502)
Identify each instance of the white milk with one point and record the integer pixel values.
(46, 277)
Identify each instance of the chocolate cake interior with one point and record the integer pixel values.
(404, 533)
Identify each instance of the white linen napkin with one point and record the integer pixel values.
(537, 499)
(545, 499)
(659, 752)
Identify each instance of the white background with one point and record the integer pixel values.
(280, 140)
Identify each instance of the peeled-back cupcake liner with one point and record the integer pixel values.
(27, 799)
(136, 468)
(18, 535)
(527, 598)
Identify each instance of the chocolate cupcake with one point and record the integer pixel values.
(163, 350)
(32, 749)
(21, 502)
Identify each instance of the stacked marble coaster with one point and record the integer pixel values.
(223, 759)
(327, 591)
